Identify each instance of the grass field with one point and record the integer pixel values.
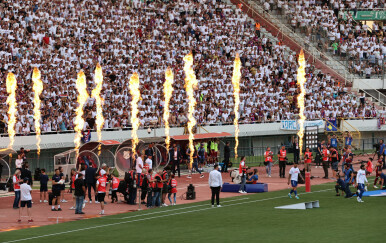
(246, 218)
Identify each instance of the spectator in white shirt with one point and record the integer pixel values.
(361, 179)
(215, 184)
(26, 199)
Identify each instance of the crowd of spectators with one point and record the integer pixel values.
(63, 37)
(330, 24)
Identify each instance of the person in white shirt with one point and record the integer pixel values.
(139, 164)
(293, 177)
(26, 199)
(149, 162)
(215, 184)
(361, 179)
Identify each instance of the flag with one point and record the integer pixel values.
(331, 125)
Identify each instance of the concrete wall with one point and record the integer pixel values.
(369, 84)
(248, 130)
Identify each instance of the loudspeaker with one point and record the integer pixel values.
(3, 186)
(190, 194)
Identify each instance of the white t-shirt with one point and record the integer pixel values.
(294, 172)
(139, 162)
(18, 163)
(25, 192)
(149, 162)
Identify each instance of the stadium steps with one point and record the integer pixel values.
(322, 61)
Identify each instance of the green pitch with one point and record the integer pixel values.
(248, 218)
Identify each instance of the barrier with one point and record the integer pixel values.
(250, 188)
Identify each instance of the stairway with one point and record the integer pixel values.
(342, 127)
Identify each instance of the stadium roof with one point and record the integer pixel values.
(202, 136)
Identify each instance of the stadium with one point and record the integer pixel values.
(192, 120)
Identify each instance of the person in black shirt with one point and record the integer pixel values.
(90, 182)
(341, 185)
(26, 173)
(227, 155)
(80, 191)
(56, 189)
(318, 157)
(43, 185)
(296, 150)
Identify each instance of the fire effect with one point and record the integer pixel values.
(301, 78)
(11, 102)
(168, 90)
(37, 88)
(81, 86)
(236, 94)
(190, 84)
(98, 79)
(135, 97)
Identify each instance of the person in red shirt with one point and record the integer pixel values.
(16, 188)
(282, 155)
(173, 190)
(114, 184)
(325, 161)
(307, 159)
(378, 171)
(369, 166)
(268, 161)
(102, 188)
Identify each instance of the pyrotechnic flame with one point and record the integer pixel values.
(37, 88)
(81, 86)
(301, 78)
(11, 102)
(168, 90)
(135, 97)
(98, 79)
(236, 94)
(190, 84)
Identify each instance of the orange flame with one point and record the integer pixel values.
(11, 101)
(135, 97)
(190, 84)
(37, 88)
(236, 94)
(98, 79)
(301, 78)
(81, 86)
(168, 90)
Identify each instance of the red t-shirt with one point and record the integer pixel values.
(308, 157)
(102, 183)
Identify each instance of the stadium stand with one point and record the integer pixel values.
(62, 38)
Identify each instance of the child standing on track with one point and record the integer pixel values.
(101, 188)
(26, 199)
(173, 190)
(294, 173)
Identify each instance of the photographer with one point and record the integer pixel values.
(268, 161)
(282, 155)
(254, 178)
(243, 171)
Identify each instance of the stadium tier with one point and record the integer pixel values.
(61, 38)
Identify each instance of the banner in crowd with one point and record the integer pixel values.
(331, 125)
(368, 15)
(294, 124)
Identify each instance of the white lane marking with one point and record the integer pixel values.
(148, 218)
(175, 209)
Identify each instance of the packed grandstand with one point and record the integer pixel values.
(61, 38)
